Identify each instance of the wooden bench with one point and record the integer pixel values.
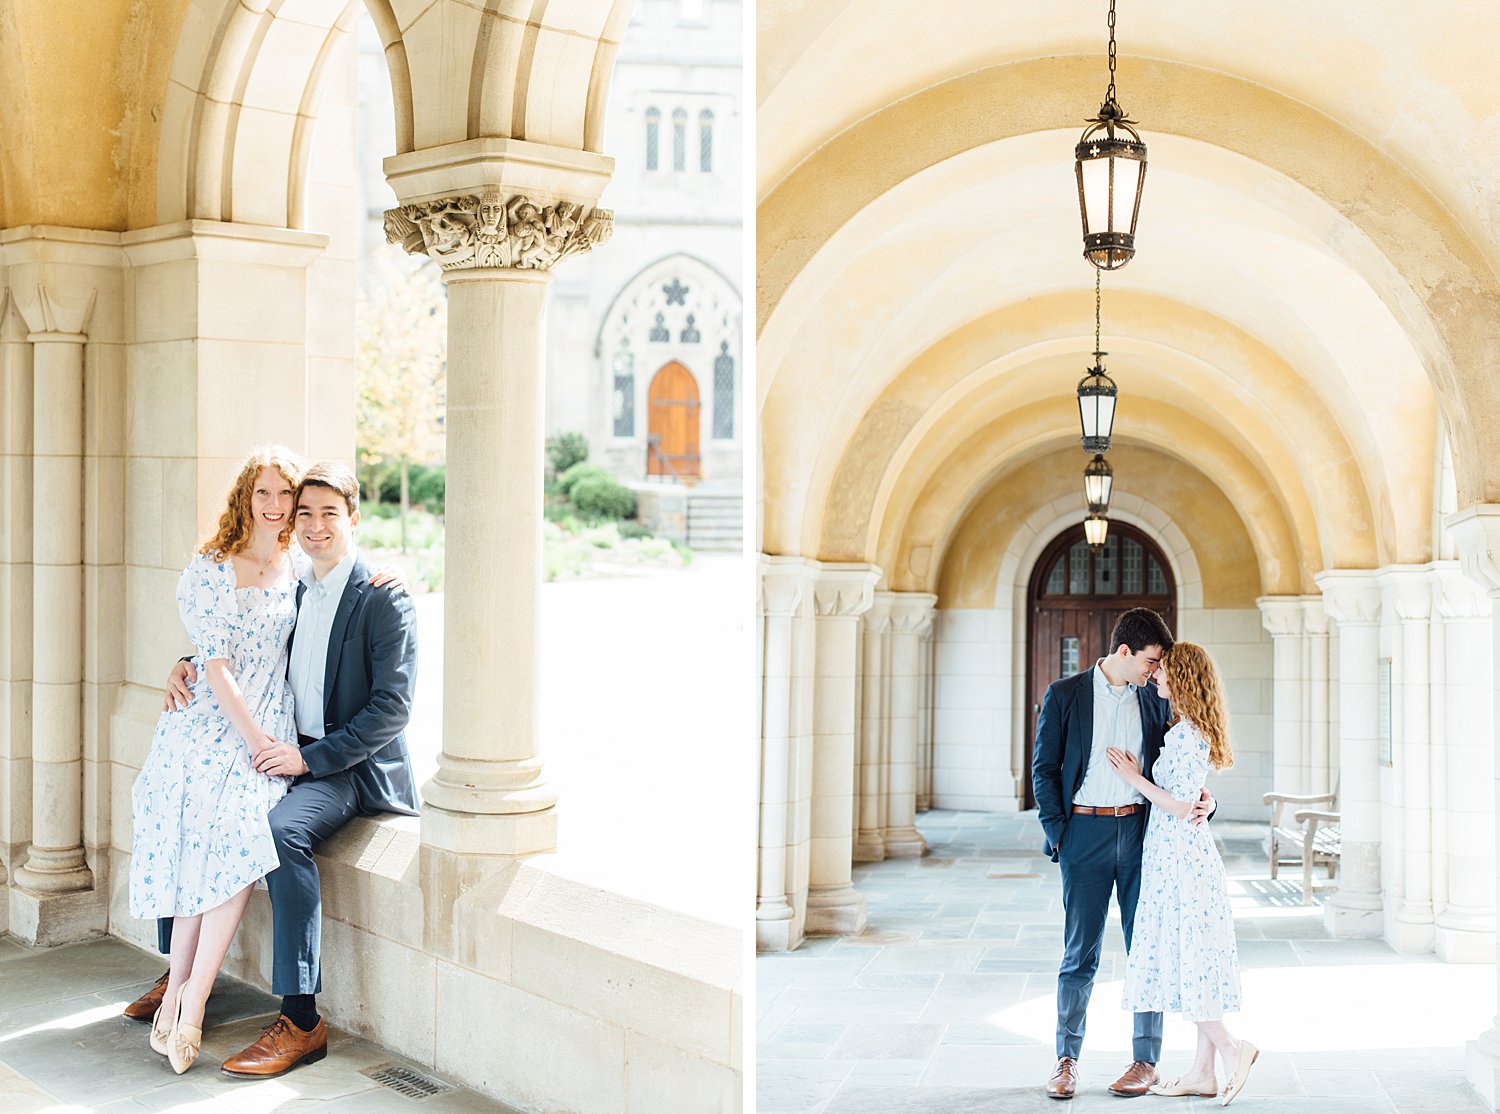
(1315, 833)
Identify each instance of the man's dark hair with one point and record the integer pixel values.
(1138, 628)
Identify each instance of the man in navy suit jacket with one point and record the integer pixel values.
(352, 668)
(1095, 824)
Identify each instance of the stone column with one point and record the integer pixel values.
(783, 599)
(1282, 617)
(497, 216)
(1353, 600)
(1463, 733)
(1476, 531)
(55, 861)
(1408, 592)
(1316, 721)
(925, 716)
(874, 731)
(15, 587)
(912, 615)
(841, 593)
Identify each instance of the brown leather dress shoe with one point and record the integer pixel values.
(1136, 1081)
(1064, 1079)
(281, 1048)
(144, 1008)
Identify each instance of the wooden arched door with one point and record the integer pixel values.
(672, 424)
(1075, 597)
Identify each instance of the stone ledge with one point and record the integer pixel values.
(647, 998)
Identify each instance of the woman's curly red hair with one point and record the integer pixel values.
(237, 523)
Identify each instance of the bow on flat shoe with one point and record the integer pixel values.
(183, 1042)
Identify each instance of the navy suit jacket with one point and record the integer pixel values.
(1064, 738)
(369, 677)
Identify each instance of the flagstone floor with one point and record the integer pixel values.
(946, 1003)
(65, 1048)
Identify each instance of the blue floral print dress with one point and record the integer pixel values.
(1183, 957)
(200, 808)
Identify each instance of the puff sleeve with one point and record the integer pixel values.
(205, 599)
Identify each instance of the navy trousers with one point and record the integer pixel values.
(312, 810)
(1099, 854)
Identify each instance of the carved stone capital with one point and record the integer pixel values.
(1282, 616)
(877, 620)
(54, 314)
(1408, 591)
(911, 612)
(1350, 596)
(1457, 596)
(784, 584)
(490, 230)
(1315, 618)
(1476, 532)
(844, 590)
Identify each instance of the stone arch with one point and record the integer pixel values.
(1445, 283)
(1041, 527)
(246, 77)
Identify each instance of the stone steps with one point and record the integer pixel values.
(715, 522)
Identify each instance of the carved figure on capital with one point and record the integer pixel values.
(489, 231)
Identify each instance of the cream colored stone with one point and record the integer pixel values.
(664, 1078)
(508, 1043)
(381, 989)
(285, 57)
(162, 416)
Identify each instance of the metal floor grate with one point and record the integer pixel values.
(406, 1081)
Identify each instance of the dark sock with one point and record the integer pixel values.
(301, 1010)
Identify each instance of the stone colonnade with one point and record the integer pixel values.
(1381, 694)
(846, 739)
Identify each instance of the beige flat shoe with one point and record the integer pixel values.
(159, 1033)
(183, 1042)
(1248, 1055)
(1201, 1088)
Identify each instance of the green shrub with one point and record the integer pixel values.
(378, 510)
(602, 498)
(581, 471)
(564, 451)
(430, 489)
(629, 530)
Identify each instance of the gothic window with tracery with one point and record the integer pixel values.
(705, 141)
(723, 393)
(653, 138)
(624, 399)
(690, 333)
(660, 334)
(679, 139)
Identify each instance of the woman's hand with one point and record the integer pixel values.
(389, 575)
(1124, 764)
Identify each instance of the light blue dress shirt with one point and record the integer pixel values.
(1117, 723)
(320, 603)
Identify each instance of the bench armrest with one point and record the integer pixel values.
(1306, 814)
(1299, 799)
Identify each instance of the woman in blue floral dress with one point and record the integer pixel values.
(201, 833)
(1183, 956)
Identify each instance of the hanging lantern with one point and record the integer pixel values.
(1096, 407)
(1098, 482)
(1111, 168)
(1095, 528)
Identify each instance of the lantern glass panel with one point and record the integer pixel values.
(1094, 177)
(1095, 528)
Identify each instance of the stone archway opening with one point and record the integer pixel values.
(1074, 596)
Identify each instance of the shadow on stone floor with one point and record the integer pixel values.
(946, 1001)
(65, 1045)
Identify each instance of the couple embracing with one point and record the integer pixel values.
(287, 722)
(1122, 754)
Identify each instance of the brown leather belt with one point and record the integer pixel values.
(1120, 810)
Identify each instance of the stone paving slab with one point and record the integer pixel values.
(64, 1045)
(945, 1003)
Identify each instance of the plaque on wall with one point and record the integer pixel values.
(1383, 710)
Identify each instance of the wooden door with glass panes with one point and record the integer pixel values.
(1073, 601)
